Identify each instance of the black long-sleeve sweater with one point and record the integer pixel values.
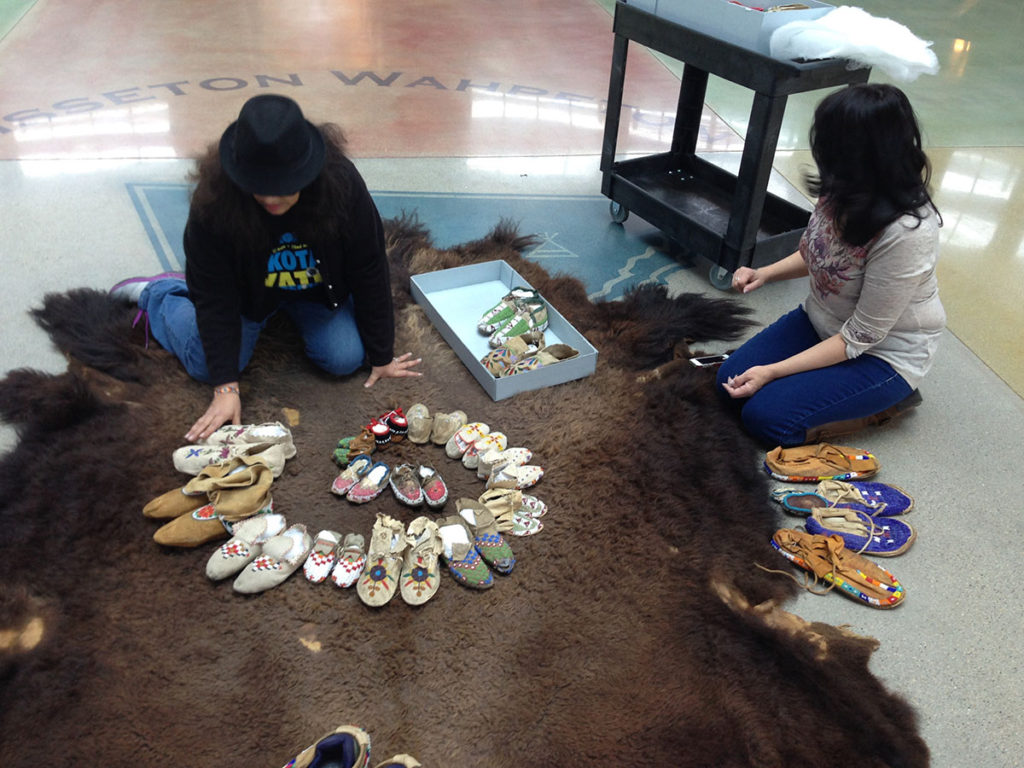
(226, 281)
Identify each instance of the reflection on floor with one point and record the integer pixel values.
(575, 233)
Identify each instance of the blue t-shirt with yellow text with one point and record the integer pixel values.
(291, 266)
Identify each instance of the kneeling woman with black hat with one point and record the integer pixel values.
(280, 219)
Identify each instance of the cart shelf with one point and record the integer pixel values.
(731, 219)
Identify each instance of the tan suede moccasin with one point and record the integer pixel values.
(509, 457)
(822, 461)
(828, 560)
(421, 572)
(379, 580)
(420, 423)
(172, 504)
(445, 425)
(514, 512)
(236, 472)
(192, 529)
(240, 503)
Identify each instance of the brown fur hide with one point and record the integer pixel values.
(635, 630)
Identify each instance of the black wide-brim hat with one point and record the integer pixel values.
(272, 149)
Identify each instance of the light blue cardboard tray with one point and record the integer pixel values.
(454, 299)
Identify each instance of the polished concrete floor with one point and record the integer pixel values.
(486, 97)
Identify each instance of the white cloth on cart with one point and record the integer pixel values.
(852, 33)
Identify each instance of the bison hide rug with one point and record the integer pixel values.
(635, 630)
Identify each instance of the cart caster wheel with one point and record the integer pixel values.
(720, 277)
(619, 212)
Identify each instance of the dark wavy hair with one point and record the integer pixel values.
(871, 168)
(226, 209)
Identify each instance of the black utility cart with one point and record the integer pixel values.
(729, 219)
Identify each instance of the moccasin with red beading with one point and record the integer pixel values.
(370, 485)
(823, 461)
(322, 557)
(282, 555)
(245, 545)
(827, 558)
(435, 490)
(405, 484)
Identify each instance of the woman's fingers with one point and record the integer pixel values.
(405, 365)
(216, 415)
(399, 367)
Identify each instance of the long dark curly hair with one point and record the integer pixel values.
(225, 208)
(872, 170)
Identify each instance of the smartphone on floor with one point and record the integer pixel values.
(708, 361)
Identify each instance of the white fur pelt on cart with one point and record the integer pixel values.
(852, 33)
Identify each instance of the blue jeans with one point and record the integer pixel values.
(782, 411)
(331, 337)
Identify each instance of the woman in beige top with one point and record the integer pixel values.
(868, 330)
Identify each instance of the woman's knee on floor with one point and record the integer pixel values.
(770, 426)
(337, 360)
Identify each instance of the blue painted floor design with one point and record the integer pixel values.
(577, 235)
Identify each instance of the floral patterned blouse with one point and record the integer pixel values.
(882, 297)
